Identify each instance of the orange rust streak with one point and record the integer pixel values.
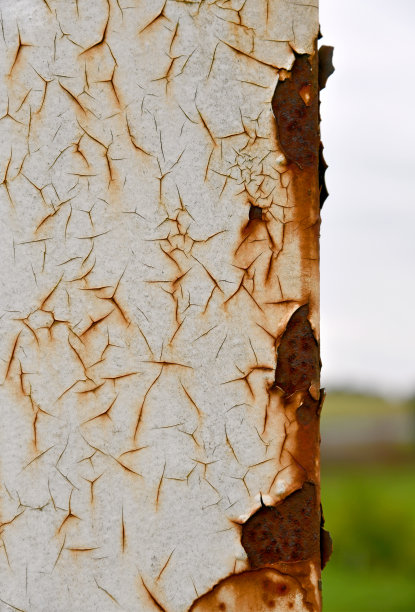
(106, 592)
(151, 596)
(12, 355)
(165, 565)
(104, 33)
(158, 16)
(20, 47)
(160, 484)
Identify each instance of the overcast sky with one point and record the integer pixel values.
(368, 228)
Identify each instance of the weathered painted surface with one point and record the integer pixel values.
(159, 397)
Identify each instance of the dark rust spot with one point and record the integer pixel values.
(298, 363)
(255, 212)
(255, 221)
(275, 588)
(285, 533)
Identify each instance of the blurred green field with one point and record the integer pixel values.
(369, 507)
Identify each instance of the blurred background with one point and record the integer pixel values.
(368, 297)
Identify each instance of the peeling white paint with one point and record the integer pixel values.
(138, 325)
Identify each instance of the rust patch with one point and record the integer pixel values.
(295, 107)
(298, 364)
(287, 532)
(260, 590)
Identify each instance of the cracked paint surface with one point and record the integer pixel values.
(159, 306)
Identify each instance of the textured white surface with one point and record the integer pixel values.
(138, 320)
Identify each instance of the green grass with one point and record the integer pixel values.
(347, 591)
(340, 404)
(370, 512)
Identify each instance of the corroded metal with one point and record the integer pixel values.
(161, 176)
